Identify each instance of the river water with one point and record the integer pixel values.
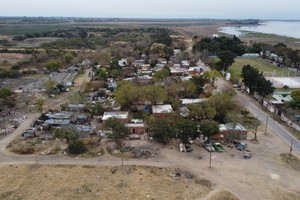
(282, 28)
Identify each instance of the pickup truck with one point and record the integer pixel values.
(218, 147)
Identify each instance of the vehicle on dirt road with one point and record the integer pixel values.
(218, 147)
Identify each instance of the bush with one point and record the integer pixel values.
(76, 147)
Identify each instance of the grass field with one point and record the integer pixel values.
(267, 68)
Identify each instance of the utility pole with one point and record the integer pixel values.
(291, 148)
(209, 159)
(266, 124)
(5, 125)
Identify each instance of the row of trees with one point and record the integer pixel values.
(256, 82)
(163, 130)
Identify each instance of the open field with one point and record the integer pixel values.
(267, 68)
(88, 182)
(9, 59)
(34, 42)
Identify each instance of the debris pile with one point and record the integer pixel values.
(143, 152)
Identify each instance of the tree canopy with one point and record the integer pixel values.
(226, 60)
(209, 128)
(162, 36)
(54, 65)
(119, 130)
(217, 44)
(256, 82)
(69, 133)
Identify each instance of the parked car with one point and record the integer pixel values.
(218, 147)
(208, 147)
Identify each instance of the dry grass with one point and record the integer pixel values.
(82, 182)
(223, 195)
(30, 146)
(8, 59)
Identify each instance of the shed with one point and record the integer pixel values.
(162, 111)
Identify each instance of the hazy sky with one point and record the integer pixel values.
(260, 9)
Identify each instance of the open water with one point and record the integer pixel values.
(282, 28)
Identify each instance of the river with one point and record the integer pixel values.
(282, 28)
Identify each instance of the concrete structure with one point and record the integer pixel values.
(136, 129)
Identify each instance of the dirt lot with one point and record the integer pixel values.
(85, 182)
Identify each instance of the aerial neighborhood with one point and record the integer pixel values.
(147, 95)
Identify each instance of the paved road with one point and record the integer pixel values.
(272, 124)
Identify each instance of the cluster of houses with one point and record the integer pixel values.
(79, 116)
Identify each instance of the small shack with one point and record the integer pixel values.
(162, 111)
(230, 131)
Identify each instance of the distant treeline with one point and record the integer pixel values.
(82, 32)
(52, 20)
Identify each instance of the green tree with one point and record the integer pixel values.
(212, 75)
(253, 124)
(50, 86)
(39, 104)
(162, 74)
(54, 65)
(162, 36)
(199, 82)
(203, 111)
(96, 109)
(250, 77)
(154, 93)
(68, 58)
(256, 82)
(185, 129)
(187, 89)
(209, 128)
(264, 87)
(119, 130)
(127, 94)
(69, 133)
(76, 147)
(223, 103)
(161, 130)
(226, 60)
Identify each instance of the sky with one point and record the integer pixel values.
(218, 9)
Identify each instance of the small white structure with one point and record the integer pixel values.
(123, 116)
(191, 101)
(162, 111)
(185, 63)
(123, 62)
